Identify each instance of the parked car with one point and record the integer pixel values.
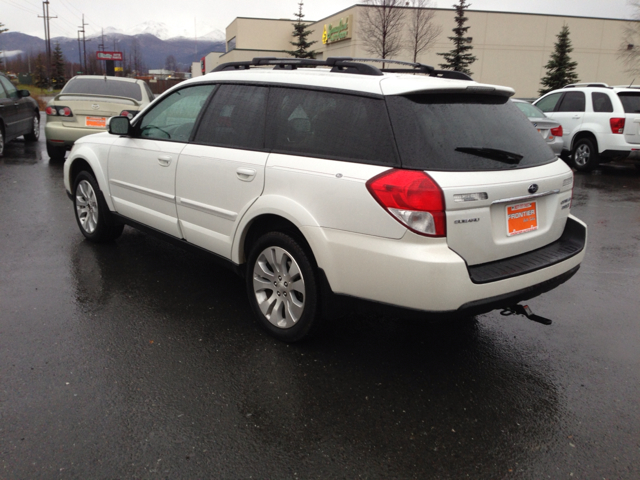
(429, 192)
(85, 104)
(600, 123)
(19, 114)
(550, 130)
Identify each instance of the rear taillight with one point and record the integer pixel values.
(413, 198)
(617, 125)
(59, 111)
(557, 132)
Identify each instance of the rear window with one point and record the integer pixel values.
(630, 101)
(103, 86)
(461, 132)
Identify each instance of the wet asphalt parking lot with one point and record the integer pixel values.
(141, 360)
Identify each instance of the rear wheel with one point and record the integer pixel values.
(56, 153)
(34, 135)
(92, 213)
(282, 285)
(585, 156)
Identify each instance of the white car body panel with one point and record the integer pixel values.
(142, 181)
(214, 187)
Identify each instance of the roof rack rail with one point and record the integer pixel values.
(587, 84)
(344, 65)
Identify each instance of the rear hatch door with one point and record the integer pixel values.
(631, 104)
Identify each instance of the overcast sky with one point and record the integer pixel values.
(200, 17)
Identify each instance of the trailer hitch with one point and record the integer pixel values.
(526, 311)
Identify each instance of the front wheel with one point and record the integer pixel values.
(585, 156)
(92, 213)
(282, 285)
(34, 135)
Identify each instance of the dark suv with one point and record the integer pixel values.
(19, 114)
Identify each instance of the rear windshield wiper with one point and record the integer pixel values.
(493, 153)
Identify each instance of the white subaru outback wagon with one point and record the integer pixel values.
(405, 187)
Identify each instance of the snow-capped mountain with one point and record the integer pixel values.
(162, 31)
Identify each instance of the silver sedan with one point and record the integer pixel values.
(550, 130)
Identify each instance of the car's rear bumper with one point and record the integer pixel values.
(58, 134)
(430, 277)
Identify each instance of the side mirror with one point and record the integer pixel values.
(24, 93)
(119, 125)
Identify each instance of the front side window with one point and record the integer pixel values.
(330, 125)
(11, 90)
(572, 102)
(548, 103)
(235, 118)
(174, 117)
(464, 132)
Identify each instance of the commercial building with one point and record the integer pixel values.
(511, 48)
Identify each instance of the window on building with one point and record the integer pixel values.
(231, 44)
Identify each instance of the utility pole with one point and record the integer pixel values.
(80, 53)
(47, 35)
(84, 44)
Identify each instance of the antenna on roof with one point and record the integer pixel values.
(632, 82)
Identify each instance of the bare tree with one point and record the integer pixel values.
(629, 50)
(170, 63)
(381, 23)
(421, 30)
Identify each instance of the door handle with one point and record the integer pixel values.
(164, 160)
(576, 117)
(246, 174)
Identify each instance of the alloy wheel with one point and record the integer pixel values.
(87, 206)
(279, 287)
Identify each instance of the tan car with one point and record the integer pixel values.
(86, 103)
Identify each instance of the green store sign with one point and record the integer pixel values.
(342, 31)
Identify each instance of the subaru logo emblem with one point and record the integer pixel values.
(95, 106)
(533, 188)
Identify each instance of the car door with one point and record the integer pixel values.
(22, 109)
(8, 111)
(569, 112)
(221, 172)
(142, 167)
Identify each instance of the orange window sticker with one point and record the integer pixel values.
(522, 218)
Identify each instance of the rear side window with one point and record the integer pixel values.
(630, 101)
(330, 125)
(463, 132)
(235, 118)
(601, 102)
(572, 102)
(103, 86)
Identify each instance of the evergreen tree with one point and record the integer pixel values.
(460, 57)
(2, 30)
(57, 68)
(300, 34)
(40, 72)
(560, 68)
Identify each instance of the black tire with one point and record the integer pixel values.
(1, 141)
(56, 153)
(585, 156)
(34, 136)
(282, 279)
(91, 211)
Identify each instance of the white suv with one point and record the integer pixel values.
(599, 123)
(427, 192)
